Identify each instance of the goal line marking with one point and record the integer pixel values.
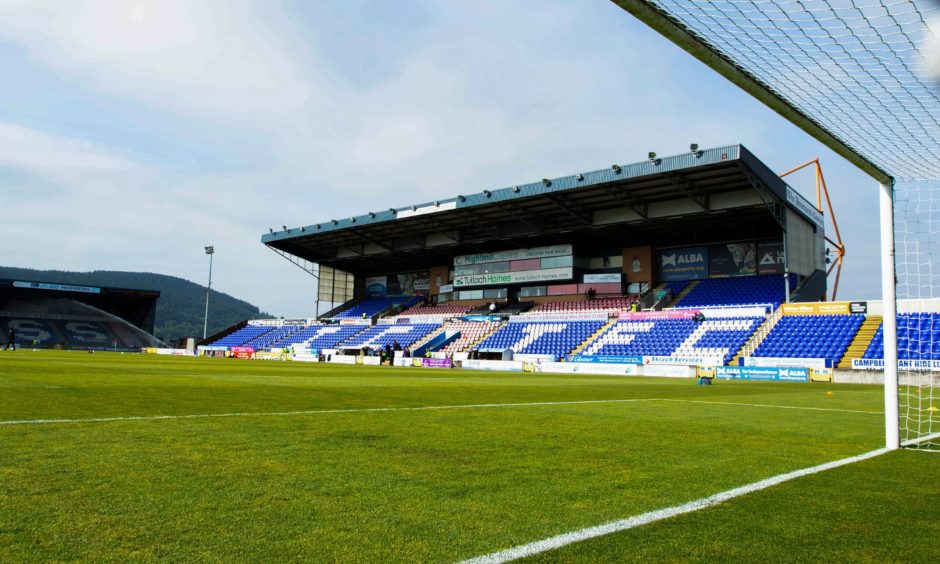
(558, 541)
(313, 412)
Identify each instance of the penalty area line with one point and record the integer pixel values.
(558, 541)
(313, 412)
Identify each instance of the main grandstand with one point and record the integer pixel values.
(69, 316)
(706, 259)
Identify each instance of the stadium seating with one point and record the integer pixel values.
(242, 336)
(70, 333)
(918, 338)
(378, 336)
(675, 337)
(541, 337)
(614, 304)
(373, 306)
(320, 337)
(740, 290)
(470, 333)
(810, 336)
(268, 339)
(676, 287)
(439, 310)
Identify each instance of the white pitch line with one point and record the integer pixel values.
(310, 412)
(775, 406)
(924, 439)
(552, 543)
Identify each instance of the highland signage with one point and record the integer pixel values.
(515, 254)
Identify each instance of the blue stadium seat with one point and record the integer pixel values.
(811, 336)
(738, 290)
(555, 338)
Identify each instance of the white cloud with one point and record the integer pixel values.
(198, 57)
(465, 106)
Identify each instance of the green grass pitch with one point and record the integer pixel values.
(303, 462)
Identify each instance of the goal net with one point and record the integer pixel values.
(917, 245)
(861, 77)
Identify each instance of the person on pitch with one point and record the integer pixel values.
(11, 343)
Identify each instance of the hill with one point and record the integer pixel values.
(180, 309)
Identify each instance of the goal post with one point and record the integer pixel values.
(889, 314)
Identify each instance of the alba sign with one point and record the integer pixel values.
(683, 264)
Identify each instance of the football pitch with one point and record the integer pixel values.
(139, 457)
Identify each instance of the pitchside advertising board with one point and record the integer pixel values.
(762, 373)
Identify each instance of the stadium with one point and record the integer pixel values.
(645, 361)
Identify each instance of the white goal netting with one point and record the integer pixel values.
(861, 76)
(917, 248)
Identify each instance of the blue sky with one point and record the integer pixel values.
(132, 134)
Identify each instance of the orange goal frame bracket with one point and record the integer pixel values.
(823, 191)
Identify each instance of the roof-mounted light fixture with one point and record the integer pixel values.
(616, 168)
(579, 176)
(546, 182)
(487, 193)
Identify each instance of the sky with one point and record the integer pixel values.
(133, 134)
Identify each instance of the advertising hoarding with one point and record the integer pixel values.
(548, 274)
(515, 254)
(732, 259)
(770, 257)
(689, 263)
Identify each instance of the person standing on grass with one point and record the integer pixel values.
(11, 344)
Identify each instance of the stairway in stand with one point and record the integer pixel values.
(862, 339)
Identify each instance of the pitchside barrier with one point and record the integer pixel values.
(784, 370)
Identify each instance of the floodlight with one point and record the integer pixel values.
(546, 182)
(460, 198)
(652, 155)
(515, 189)
(487, 193)
(372, 214)
(693, 147)
(284, 227)
(579, 176)
(271, 230)
(616, 168)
